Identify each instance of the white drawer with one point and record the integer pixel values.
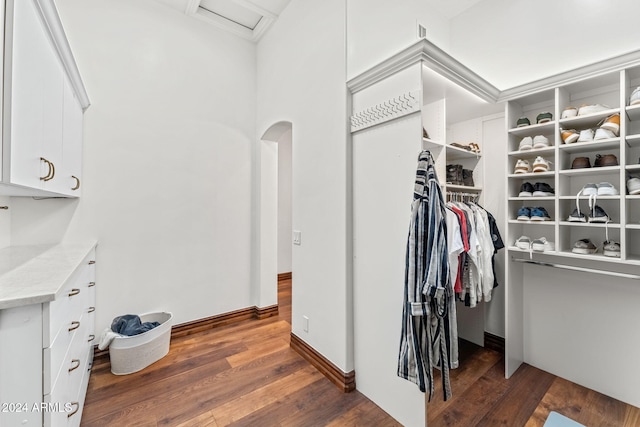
(77, 294)
(59, 314)
(67, 397)
(58, 404)
(82, 392)
(67, 347)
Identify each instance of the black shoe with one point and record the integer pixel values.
(467, 177)
(454, 174)
(577, 216)
(599, 215)
(542, 189)
(526, 190)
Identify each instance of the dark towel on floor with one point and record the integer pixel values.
(130, 324)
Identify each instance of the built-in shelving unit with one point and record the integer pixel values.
(611, 90)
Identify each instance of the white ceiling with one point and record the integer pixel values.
(452, 8)
(265, 12)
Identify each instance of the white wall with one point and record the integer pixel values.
(284, 203)
(512, 42)
(265, 293)
(301, 79)
(378, 29)
(578, 331)
(495, 169)
(167, 161)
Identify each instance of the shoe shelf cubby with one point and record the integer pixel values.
(596, 100)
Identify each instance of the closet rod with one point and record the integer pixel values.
(583, 269)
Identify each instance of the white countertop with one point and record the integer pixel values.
(35, 274)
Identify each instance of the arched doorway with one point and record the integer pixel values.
(275, 240)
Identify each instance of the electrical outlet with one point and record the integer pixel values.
(306, 323)
(297, 237)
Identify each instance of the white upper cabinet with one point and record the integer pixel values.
(42, 120)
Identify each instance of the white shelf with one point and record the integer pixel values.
(632, 196)
(455, 153)
(606, 170)
(533, 152)
(589, 224)
(633, 167)
(527, 251)
(462, 188)
(531, 174)
(536, 129)
(587, 197)
(633, 112)
(595, 257)
(586, 121)
(580, 147)
(633, 140)
(426, 142)
(633, 226)
(633, 259)
(530, 222)
(531, 198)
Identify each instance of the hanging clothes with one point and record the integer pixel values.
(428, 296)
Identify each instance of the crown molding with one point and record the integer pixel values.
(616, 63)
(55, 29)
(437, 60)
(447, 66)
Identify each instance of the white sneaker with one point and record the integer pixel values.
(523, 243)
(607, 189)
(635, 97)
(542, 245)
(633, 185)
(522, 166)
(589, 190)
(569, 112)
(526, 144)
(540, 165)
(592, 109)
(540, 141)
(602, 133)
(586, 135)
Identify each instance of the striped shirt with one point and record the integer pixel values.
(426, 322)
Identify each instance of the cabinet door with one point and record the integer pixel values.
(27, 97)
(52, 76)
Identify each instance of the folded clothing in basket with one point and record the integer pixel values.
(130, 324)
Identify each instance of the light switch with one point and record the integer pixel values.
(297, 237)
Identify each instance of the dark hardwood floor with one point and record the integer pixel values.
(245, 374)
(242, 374)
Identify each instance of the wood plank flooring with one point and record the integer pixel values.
(245, 374)
(483, 397)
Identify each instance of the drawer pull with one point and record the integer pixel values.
(74, 325)
(74, 291)
(91, 338)
(91, 284)
(77, 405)
(92, 262)
(91, 310)
(75, 187)
(75, 362)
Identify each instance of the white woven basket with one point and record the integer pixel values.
(134, 353)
